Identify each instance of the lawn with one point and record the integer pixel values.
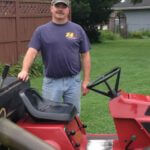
(133, 56)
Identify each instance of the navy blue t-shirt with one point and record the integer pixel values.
(60, 46)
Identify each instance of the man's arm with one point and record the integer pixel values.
(27, 62)
(86, 64)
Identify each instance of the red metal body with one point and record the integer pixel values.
(62, 135)
(132, 120)
(128, 112)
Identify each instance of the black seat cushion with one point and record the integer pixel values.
(43, 109)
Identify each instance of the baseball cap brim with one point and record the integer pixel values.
(60, 1)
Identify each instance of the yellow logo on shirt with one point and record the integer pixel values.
(70, 35)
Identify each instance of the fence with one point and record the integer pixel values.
(18, 19)
(118, 23)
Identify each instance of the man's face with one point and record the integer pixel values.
(60, 11)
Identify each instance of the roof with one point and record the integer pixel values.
(27, 1)
(127, 5)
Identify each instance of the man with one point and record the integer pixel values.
(63, 44)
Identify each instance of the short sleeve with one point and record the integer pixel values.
(84, 43)
(35, 41)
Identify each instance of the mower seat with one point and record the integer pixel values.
(46, 110)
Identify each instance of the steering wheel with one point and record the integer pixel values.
(103, 79)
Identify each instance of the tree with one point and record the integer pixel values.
(90, 13)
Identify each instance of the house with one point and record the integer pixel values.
(137, 15)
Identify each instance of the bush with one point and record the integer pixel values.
(108, 35)
(35, 71)
(146, 33)
(137, 35)
(140, 34)
(37, 68)
(93, 34)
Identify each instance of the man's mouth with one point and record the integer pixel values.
(60, 13)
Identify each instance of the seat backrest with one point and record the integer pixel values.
(34, 97)
(42, 109)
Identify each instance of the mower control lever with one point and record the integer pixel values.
(103, 79)
(5, 71)
(4, 74)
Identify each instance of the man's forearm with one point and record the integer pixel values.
(28, 59)
(27, 62)
(86, 64)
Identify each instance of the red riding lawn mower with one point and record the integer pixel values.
(29, 122)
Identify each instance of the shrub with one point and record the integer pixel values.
(37, 68)
(108, 35)
(137, 35)
(140, 34)
(35, 71)
(146, 33)
(93, 34)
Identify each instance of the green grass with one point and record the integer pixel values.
(133, 56)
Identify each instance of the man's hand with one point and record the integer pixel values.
(85, 90)
(23, 75)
